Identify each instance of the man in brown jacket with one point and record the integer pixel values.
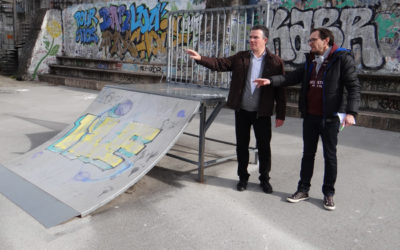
(253, 106)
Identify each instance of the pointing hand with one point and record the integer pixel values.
(262, 82)
(193, 54)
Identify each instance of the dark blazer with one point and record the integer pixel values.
(239, 65)
(340, 74)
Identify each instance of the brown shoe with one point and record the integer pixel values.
(298, 196)
(328, 203)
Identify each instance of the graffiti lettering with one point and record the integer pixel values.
(101, 143)
(86, 26)
(352, 28)
(115, 17)
(138, 45)
(152, 69)
(139, 31)
(299, 33)
(147, 20)
(355, 24)
(136, 30)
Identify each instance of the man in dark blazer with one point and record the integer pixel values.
(253, 106)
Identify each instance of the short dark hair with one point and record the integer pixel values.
(324, 33)
(262, 28)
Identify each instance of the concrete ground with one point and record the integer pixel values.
(169, 209)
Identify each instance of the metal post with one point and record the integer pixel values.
(193, 46)
(198, 48)
(216, 49)
(204, 46)
(230, 33)
(182, 42)
(176, 46)
(223, 45)
(211, 45)
(169, 49)
(237, 32)
(189, 24)
(252, 17)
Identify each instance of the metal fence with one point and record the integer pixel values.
(220, 32)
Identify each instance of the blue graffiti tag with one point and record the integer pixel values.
(120, 19)
(145, 20)
(87, 23)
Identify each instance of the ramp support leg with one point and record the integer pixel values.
(202, 139)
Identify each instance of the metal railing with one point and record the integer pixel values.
(220, 32)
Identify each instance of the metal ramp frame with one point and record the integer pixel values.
(208, 98)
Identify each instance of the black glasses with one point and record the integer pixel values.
(313, 40)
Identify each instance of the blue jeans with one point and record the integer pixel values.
(262, 131)
(313, 128)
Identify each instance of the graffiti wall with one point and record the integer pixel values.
(48, 44)
(135, 32)
(130, 31)
(371, 28)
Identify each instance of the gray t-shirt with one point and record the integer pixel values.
(251, 95)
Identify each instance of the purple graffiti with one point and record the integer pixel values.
(82, 176)
(34, 156)
(120, 19)
(181, 113)
(115, 18)
(123, 108)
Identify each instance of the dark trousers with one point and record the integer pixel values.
(262, 131)
(313, 128)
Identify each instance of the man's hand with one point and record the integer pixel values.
(193, 54)
(279, 123)
(348, 120)
(262, 82)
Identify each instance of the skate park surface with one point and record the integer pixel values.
(169, 209)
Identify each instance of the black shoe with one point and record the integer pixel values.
(266, 187)
(241, 186)
(328, 203)
(298, 196)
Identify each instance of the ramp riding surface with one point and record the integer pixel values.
(107, 149)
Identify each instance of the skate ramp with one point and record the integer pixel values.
(115, 142)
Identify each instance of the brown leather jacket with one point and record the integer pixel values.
(239, 65)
